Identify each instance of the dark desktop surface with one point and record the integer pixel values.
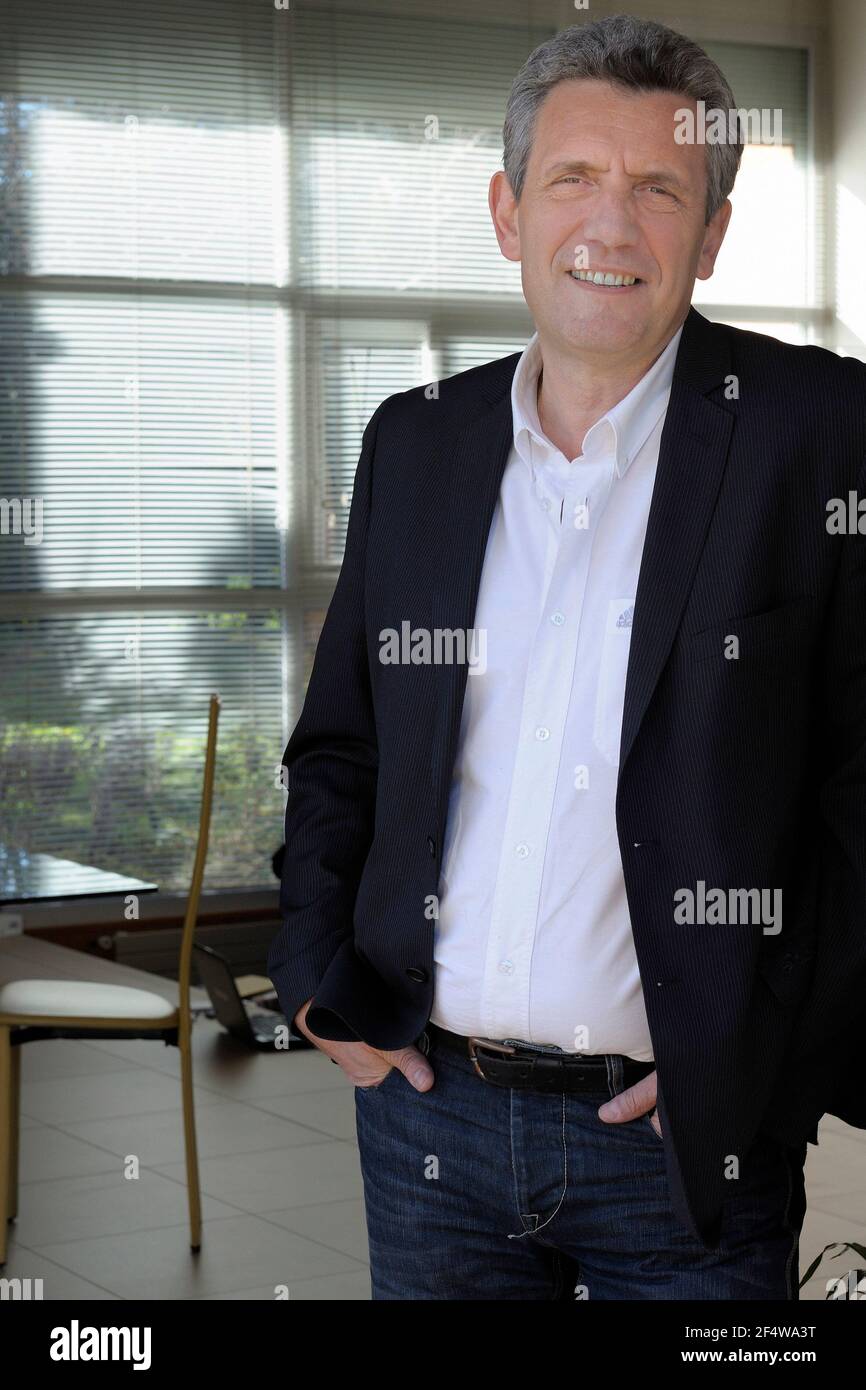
(29, 878)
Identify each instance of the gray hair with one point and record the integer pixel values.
(628, 52)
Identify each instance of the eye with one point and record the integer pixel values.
(657, 188)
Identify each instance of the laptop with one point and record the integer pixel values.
(256, 1029)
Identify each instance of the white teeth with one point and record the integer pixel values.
(600, 277)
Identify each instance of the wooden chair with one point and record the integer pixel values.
(31, 1010)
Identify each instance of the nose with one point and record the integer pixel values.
(608, 221)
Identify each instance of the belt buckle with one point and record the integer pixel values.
(506, 1049)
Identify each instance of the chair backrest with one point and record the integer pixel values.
(188, 938)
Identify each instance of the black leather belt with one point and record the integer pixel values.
(528, 1066)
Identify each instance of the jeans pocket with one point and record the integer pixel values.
(647, 1121)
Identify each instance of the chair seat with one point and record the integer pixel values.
(81, 999)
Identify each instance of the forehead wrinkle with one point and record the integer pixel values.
(576, 165)
(557, 121)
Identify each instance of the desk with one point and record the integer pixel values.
(36, 878)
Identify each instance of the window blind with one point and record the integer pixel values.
(359, 365)
(145, 401)
(397, 127)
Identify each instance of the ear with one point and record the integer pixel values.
(713, 238)
(503, 210)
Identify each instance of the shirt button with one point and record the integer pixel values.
(522, 851)
(506, 967)
(541, 734)
(557, 619)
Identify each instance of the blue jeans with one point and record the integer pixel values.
(474, 1191)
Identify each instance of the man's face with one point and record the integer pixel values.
(608, 188)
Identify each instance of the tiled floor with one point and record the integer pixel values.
(281, 1188)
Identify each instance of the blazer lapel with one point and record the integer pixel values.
(692, 456)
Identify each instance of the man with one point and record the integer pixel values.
(582, 911)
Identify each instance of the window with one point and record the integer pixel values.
(145, 403)
(770, 278)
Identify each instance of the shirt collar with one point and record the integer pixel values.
(627, 425)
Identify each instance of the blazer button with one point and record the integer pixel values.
(416, 973)
(431, 844)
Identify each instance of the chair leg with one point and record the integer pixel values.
(14, 1128)
(5, 1134)
(192, 1184)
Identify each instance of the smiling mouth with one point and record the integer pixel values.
(606, 279)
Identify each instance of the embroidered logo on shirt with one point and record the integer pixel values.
(626, 617)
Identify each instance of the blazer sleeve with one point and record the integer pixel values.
(842, 795)
(838, 998)
(825, 1071)
(331, 761)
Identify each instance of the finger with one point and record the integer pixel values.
(628, 1105)
(414, 1066)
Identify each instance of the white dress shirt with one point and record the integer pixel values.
(533, 939)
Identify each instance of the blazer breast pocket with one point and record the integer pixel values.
(777, 636)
